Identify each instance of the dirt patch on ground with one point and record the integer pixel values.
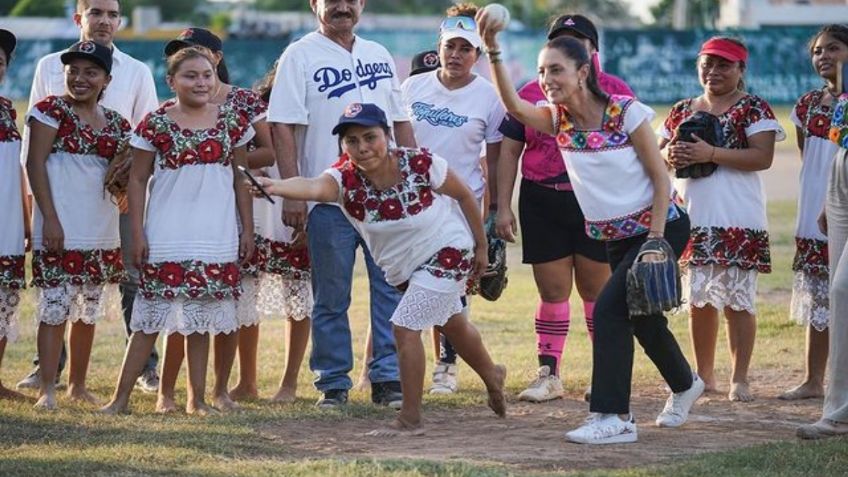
(531, 437)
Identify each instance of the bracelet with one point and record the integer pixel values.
(492, 51)
(655, 233)
(495, 60)
(712, 154)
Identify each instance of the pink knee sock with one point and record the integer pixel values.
(552, 321)
(589, 313)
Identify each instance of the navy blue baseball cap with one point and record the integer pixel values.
(91, 51)
(194, 37)
(361, 114)
(577, 25)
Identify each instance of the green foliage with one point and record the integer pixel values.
(220, 21)
(38, 8)
(6, 6)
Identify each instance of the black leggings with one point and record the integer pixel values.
(612, 368)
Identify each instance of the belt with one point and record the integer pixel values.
(559, 186)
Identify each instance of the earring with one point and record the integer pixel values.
(580, 83)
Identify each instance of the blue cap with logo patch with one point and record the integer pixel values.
(361, 114)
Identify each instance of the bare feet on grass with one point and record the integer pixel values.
(244, 393)
(806, 390)
(8, 394)
(223, 403)
(285, 395)
(81, 394)
(398, 428)
(497, 398)
(114, 408)
(200, 409)
(165, 404)
(46, 402)
(740, 392)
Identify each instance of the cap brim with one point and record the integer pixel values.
(422, 69)
(720, 53)
(174, 46)
(469, 36)
(8, 42)
(355, 122)
(71, 55)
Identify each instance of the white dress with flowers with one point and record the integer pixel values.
(11, 223)
(729, 241)
(72, 283)
(190, 282)
(419, 238)
(810, 288)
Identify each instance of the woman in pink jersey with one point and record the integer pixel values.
(554, 241)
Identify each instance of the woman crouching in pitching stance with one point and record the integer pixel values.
(623, 189)
(401, 201)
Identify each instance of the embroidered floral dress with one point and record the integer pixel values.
(419, 238)
(729, 242)
(191, 280)
(11, 222)
(608, 178)
(71, 283)
(810, 288)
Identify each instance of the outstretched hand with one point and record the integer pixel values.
(487, 29)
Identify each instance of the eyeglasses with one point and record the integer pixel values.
(458, 23)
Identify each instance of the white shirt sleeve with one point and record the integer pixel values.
(397, 110)
(497, 113)
(438, 172)
(139, 142)
(287, 104)
(35, 114)
(635, 114)
(248, 134)
(337, 176)
(37, 92)
(145, 97)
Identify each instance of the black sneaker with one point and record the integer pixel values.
(387, 394)
(332, 399)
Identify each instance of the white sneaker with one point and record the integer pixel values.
(677, 406)
(444, 379)
(545, 387)
(604, 429)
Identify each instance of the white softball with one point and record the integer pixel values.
(498, 14)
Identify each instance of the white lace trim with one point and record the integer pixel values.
(87, 303)
(810, 304)
(421, 308)
(183, 315)
(279, 296)
(247, 313)
(720, 287)
(9, 311)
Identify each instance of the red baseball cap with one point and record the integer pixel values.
(729, 50)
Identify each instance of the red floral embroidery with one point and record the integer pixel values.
(75, 137)
(285, 260)
(451, 263)
(12, 271)
(729, 247)
(190, 279)
(8, 127)
(747, 111)
(811, 257)
(97, 267)
(410, 197)
(814, 115)
(179, 147)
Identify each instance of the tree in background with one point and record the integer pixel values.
(699, 13)
(6, 6)
(38, 8)
(171, 9)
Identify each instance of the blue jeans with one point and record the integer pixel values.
(332, 244)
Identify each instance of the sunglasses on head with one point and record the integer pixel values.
(458, 23)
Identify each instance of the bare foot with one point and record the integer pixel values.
(397, 428)
(114, 408)
(710, 386)
(497, 399)
(200, 409)
(740, 392)
(6, 393)
(243, 393)
(364, 384)
(46, 402)
(284, 395)
(165, 404)
(223, 403)
(80, 394)
(805, 390)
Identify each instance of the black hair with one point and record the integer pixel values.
(188, 53)
(265, 85)
(386, 129)
(573, 49)
(837, 31)
(223, 72)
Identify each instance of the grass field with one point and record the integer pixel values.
(75, 440)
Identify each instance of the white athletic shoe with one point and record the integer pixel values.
(604, 429)
(677, 406)
(445, 380)
(545, 387)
